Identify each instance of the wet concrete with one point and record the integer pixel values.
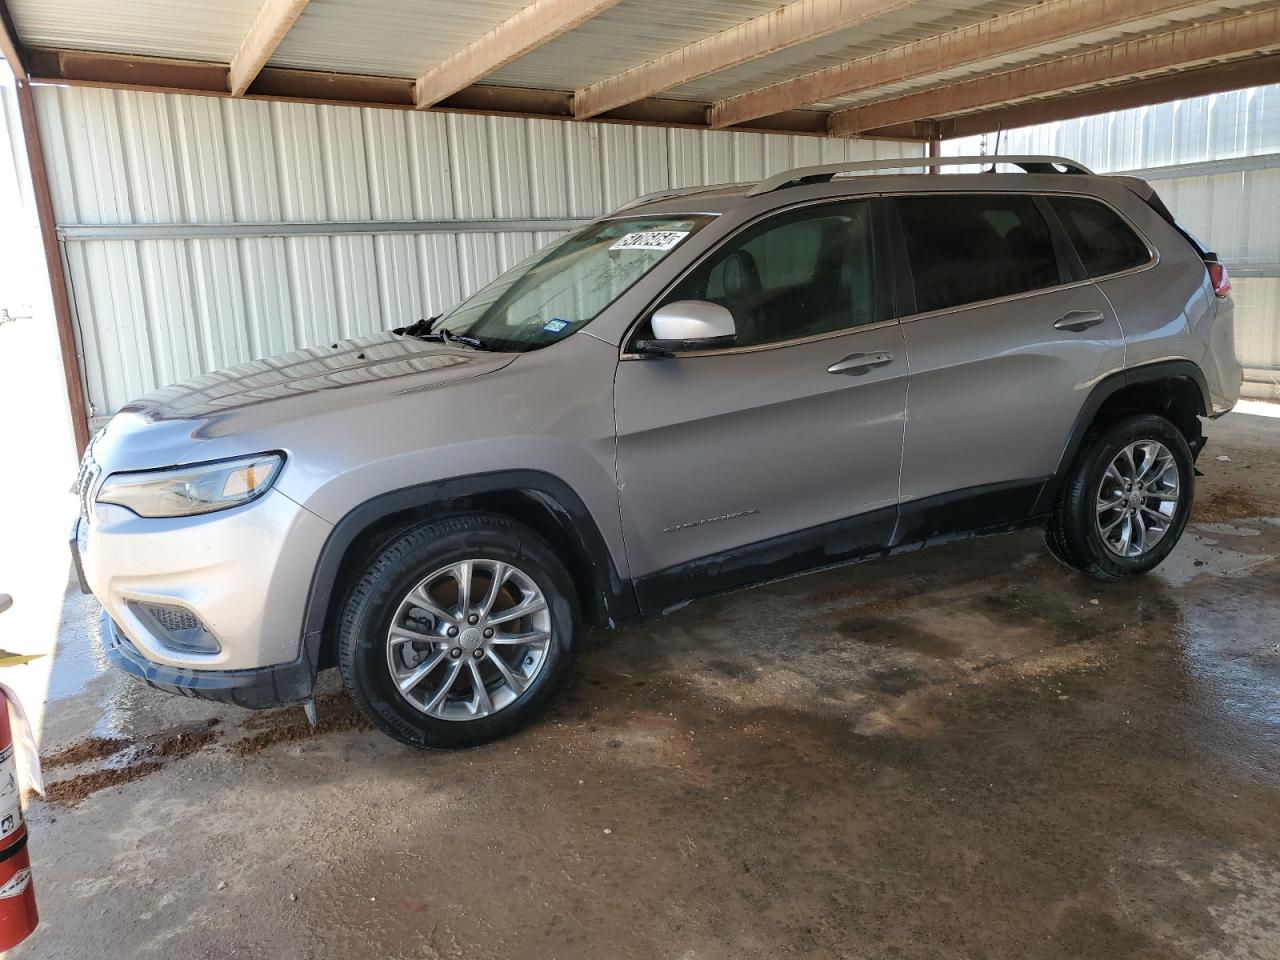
(959, 752)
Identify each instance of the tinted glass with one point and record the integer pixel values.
(563, 286)
(972, 247)
(799, 274)
(1106, 243)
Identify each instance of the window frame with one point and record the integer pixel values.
(884, 293)
(1070, 267)
(1077, 261)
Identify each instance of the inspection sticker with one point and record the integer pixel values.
(555, 326)
(650, 240)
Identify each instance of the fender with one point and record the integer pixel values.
(612, 592)
(1102, 391)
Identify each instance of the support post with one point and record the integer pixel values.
(53, 259)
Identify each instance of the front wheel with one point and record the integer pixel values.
(458, 632)
(1126, 500)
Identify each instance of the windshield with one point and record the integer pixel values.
(564, 286)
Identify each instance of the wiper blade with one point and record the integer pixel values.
(419, 328)
(422, 330)
(444, 336)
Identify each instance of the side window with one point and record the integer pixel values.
(796, 275)
(1106, 243)
(970, 247)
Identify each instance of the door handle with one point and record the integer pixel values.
(1078, 320)
(859, 363)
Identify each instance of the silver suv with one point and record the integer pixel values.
(704, 390)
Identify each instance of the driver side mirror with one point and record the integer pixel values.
(687, 325)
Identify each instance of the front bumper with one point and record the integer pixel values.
(274, 686)
(244, 574)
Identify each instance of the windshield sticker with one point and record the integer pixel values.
(650, 240)
(554, 326)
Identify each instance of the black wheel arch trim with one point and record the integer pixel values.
(1098, 396)
(614, 595)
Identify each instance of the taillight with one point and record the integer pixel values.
(1220, 279)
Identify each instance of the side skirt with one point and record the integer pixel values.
(979, 511)
(950, 516)
(826, 545)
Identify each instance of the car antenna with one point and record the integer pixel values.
(996, 154)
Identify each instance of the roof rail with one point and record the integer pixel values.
(674, 192)
(825, 172)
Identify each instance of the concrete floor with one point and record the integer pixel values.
(959, 752)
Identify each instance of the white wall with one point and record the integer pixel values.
(155, 311)
(37, 449)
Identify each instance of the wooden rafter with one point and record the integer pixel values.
(538, 23)
(274, 20)
(1230, 38)
(796, 23)
(1011, 33)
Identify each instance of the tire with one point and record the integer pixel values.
(396, 623)
(1075, 533)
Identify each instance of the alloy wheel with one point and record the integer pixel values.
(469, 639)
(1138, 498)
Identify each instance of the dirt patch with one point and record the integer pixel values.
(184, 744)
(143, 758)
(866, 603)
(68, 793)
(335, 713)
(898, 634)
(895, 681)
(1230, 503)
(83, 751)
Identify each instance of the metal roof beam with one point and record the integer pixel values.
(200, 78)
(1227, 39)
(274, 20)
(1217, 78)
(10, 45)
(538, 23)
(796, 23)
(1010, 33)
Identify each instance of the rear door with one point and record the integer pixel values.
(760, 459)
(1004, 345)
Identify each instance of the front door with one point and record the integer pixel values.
(782, 452)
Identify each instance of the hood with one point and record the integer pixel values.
(369, 361)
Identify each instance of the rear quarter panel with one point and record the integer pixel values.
(1168, 311)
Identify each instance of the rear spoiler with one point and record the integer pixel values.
(1152, 200)
(1219, 276)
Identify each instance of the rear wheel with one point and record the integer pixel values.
(1126, 500)
(458, 632)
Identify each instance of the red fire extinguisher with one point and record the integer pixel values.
(17, 895)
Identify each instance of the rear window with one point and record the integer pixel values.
(1105, 243)
(972, 247)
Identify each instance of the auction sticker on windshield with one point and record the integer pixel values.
(650, 240)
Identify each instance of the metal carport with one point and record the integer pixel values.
(222, 181)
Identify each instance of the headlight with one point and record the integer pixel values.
(200, 488)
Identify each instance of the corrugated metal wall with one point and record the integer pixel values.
(156, 310)
(1215, 161)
